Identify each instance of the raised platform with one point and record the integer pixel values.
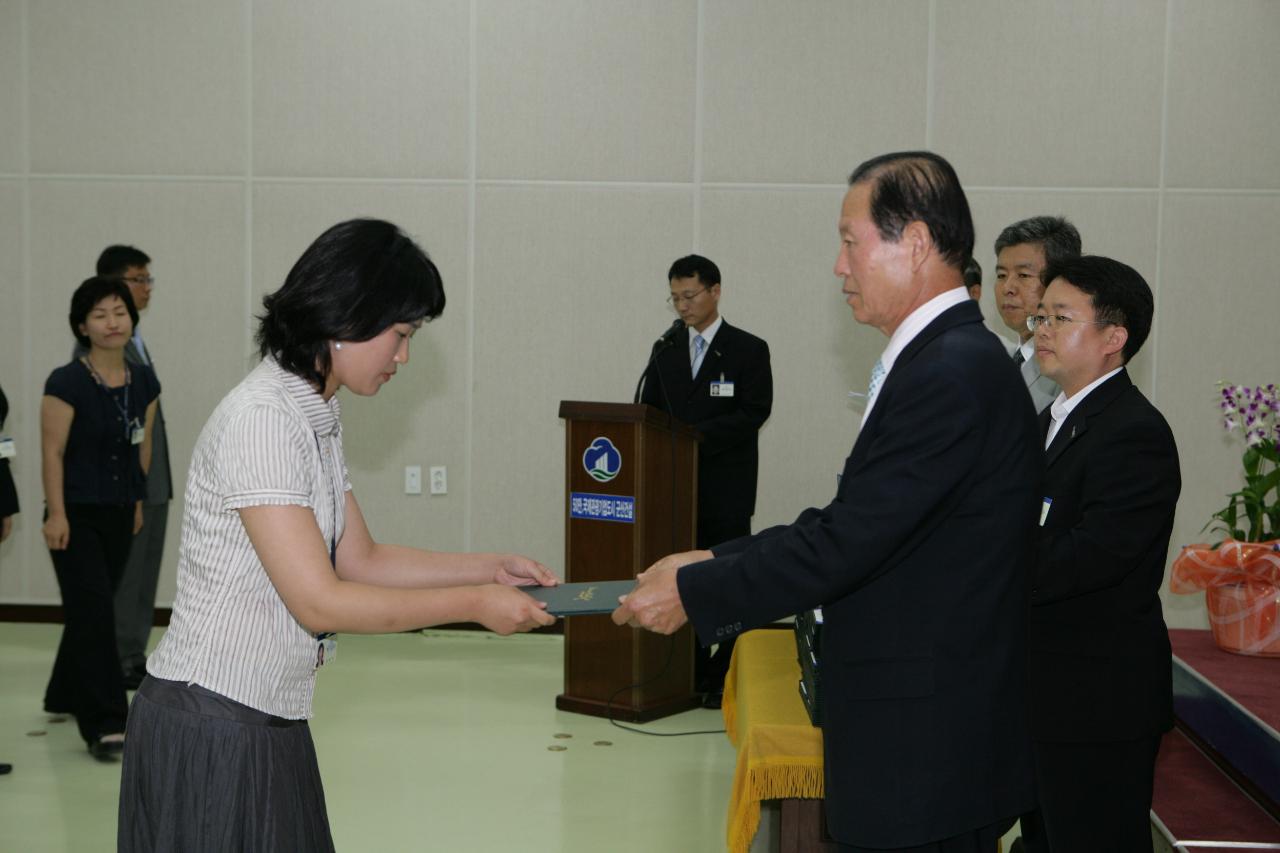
(1217, 784)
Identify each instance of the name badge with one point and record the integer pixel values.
(8, 448)
(1044, 510)
(326, 650)
(137, 434)
(721, 389)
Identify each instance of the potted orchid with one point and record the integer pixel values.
(1241, 574)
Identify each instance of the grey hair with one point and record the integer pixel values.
(1057, 237)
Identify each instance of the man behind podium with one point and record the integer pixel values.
(716, 378)
(920, 562)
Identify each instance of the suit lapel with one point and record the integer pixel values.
(957, 315)
(1077, 423)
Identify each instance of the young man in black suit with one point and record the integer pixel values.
(716, 378)
(920, 560)
(1100, 660)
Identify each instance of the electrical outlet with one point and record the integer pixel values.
(439, 480)
(413, 479)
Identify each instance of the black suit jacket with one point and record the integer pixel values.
(1101, 666)
(921, 564)
(728, 455)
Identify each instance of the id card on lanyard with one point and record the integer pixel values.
(327, 642)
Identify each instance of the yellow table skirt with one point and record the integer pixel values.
(779, 751)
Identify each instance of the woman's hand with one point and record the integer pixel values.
(504, 610)
(515, 570)
(57, 532)
(137, 517)
(6, 527)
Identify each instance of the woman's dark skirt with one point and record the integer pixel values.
(204, 773)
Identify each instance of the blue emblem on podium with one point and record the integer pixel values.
(602, 460)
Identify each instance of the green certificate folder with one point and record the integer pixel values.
(577, 599)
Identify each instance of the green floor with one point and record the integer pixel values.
(427, 742)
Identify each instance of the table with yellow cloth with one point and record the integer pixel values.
(779, 751)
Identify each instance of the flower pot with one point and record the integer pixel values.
(1245, 618)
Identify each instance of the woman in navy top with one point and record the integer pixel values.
(95, 430)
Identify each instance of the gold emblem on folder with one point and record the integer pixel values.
(586, 595)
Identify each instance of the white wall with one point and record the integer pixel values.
(554, 157)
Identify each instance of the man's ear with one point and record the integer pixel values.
(1117, 337)
(916, 238)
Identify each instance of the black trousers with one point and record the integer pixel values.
(86, 680)
(984, 839)
(1092, 797)
(709, 669)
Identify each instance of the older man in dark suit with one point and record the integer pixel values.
(920, 561)
(717, 378)
(1101, 673)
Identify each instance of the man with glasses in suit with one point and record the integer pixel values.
(716, 378)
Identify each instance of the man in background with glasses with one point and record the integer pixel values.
(716, 378)
(1022, 251)
(1101, 670)
(135, 600)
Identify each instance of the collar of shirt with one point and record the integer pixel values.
(915, 323)
(1063, 406)
(708, 334)
(1028, 348)
(321, 414)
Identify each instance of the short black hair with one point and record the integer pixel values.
(115, 260)
(972, 273)
(695, 265)
(1055, 235)
(919, 186)
(87, 296)
(1118, 293)
(355, 281)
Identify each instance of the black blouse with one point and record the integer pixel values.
(101, 465)
(8, 494)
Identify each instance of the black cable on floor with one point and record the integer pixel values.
(671, 648)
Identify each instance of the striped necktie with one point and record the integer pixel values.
(699, 350)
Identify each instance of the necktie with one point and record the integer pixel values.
(699, 350)
(1018, 357)
(877, 379)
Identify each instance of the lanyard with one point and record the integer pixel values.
(122, 409)
(333, 539)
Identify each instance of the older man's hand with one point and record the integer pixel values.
(655, 602)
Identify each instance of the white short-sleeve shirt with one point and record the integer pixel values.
(272, 441)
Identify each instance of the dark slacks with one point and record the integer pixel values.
(710, 668)
(135, 599)
(1092, 797)
(981, 840)
(86, 680)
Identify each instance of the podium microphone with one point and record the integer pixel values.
(667, 339)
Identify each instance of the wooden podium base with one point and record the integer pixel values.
(625, 713)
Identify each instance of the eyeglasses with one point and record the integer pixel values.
(688, 296)
(1049, 321)
(141, 280)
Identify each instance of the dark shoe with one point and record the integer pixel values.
(712, 700)
(107, 747)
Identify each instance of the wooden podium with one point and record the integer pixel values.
(630, 490)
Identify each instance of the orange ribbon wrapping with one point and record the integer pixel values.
(1241, 581)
